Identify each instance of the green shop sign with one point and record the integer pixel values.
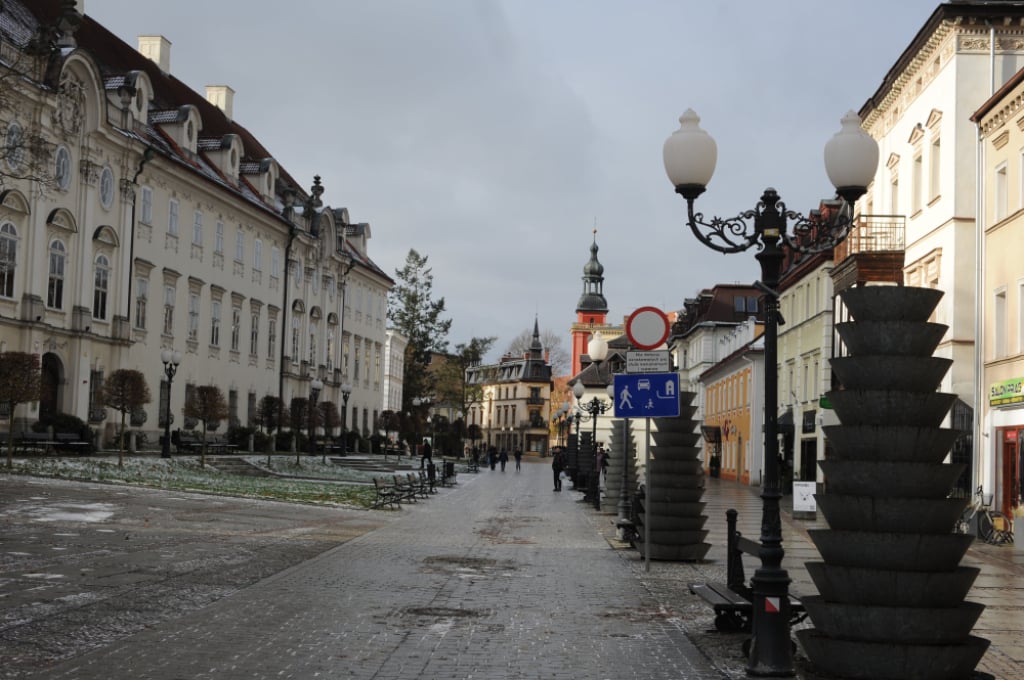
(1006, 392)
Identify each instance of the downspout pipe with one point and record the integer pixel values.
(148, 154)
(289, 214)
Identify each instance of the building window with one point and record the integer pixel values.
(916, 179)
(8, 258)
(330, 349)
(271, 338)
(313, 330)
(275, 262)
(172, 218)
(934, 162)
(236, 328)
(141, 295)
(147, 206)
(218, 244)
(62, 168)
(295, 339)
(215, 323)
(193, 316)
(257, 255)
(999, 198)
(894, 197)
(106, 187)
(197, 229)
(999, 325)
(101, 287)
(169, 295)
(254, 333)
(55, 287)
(15, 143)
(239, 246)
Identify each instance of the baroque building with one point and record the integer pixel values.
(137, 215)
(514, 405)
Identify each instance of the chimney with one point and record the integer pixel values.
(222, 97)
(157, 49)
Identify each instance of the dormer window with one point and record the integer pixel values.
(190, 133)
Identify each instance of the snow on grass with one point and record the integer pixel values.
(309, 482)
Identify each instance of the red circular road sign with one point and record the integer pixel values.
(647, 328)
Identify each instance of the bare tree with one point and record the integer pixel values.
(20, 383)
(299, 416)
(125, 391)
(208, 406)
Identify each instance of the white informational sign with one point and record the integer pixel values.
(647, 362)
(803, 497)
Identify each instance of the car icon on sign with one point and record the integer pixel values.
(643, 384)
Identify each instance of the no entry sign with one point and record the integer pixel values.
(647, 328)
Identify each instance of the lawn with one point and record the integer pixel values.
(310, 481)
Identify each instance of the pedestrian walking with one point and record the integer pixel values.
(557, 463)
(503, 458)
(428, 454)
(519, 459)
(492, 457)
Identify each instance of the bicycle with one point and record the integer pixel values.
(991, 526)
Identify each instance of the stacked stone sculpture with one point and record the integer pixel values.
(891, 603)
(673, 500)
(622, 446)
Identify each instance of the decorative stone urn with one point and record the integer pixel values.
(891, 603)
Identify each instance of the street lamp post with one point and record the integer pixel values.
(597, 350)
(851, 158)
(314, 395)
(171, 360)
(346, 392)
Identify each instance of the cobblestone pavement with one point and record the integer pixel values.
(497, 577)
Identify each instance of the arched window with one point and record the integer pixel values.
(14, 142)
(101, 287)
(8, 258)
(314, 330)
(62, 168)
(55, 286)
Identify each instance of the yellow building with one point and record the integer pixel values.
(733, 406)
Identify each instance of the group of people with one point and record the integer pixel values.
(496, 457)
(558, 464)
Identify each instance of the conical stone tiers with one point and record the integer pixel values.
(673, 502)
(623, 447)
(891, 603)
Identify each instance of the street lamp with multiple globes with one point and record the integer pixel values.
(170, 359)
(314, 395)
(851, 158)
(597, 350)
(346, 392)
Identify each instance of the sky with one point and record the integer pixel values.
(494, 136)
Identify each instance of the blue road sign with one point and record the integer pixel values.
(646, 395)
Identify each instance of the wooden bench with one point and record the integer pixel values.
(448, 473)
(732, 600)
(405, 488)
(386, 494)
(192, 442)
(47, 443)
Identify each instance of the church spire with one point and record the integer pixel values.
(592, 299)
(536, 348)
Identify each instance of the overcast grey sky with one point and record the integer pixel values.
(491, 135)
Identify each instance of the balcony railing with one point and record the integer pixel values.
(873, 234)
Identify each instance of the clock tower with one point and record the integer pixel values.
(592, 308)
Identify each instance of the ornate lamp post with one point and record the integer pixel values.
(314, 395)
(346, 392)
(170, 360)
(597, 350)
(851, 158)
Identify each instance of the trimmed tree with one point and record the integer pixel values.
(329, 419)
(209, 407)
(20, 383)
(268, 416)
(125, 391)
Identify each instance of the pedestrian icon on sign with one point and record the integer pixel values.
(625, 398)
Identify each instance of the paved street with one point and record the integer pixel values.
(498, 577)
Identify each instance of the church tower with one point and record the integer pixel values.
(592, 308)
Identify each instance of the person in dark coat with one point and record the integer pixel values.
(428, 454)
(503, 458)
(557, 465)
(519, 458)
